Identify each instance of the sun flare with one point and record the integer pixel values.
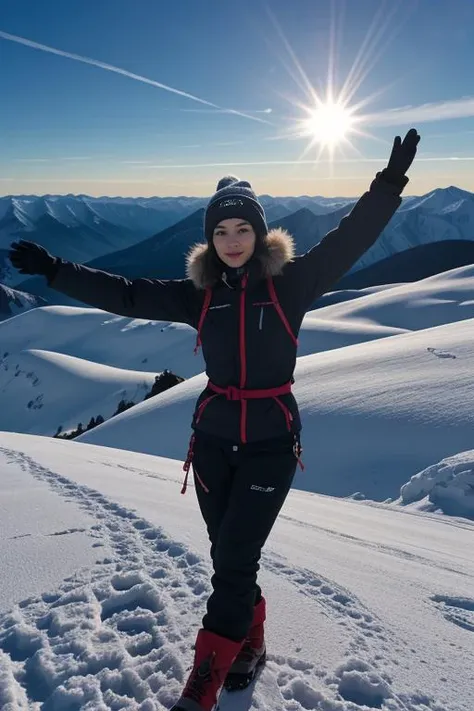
(328, 124)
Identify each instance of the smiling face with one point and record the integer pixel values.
(234, 241)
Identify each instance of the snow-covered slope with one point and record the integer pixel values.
(109, 573)
(46, 390)
(323, 381)
(104, 338)
(355, 316)
(60, 366)
(436, 300)
(13, 302)
(374, 413)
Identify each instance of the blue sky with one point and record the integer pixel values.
(74, 120)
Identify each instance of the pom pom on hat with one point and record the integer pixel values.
(226, 181)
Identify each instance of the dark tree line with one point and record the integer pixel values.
(163, 382)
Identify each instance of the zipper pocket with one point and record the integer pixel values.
(262, 304)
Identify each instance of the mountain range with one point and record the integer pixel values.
(150, 237)
(82, 228)
(13, 301)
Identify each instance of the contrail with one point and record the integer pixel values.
(205, 111)
(440, 111)
(125, 73)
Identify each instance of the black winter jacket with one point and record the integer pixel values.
(244, 339)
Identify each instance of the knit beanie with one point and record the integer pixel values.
(234, 198)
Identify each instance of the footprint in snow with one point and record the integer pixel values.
(120, 635)
(120, 630)
(336, 602)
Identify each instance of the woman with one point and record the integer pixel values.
(246, 294)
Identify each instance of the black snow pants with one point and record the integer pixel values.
(241, 489)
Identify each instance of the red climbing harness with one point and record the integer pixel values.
(280, 312)
(205, 309)
(274, 301)
(241, 394)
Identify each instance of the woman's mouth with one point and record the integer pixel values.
(233, 255)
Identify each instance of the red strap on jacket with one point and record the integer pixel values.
(280, 312)
(233, 393)
(205, 309)
(242, 395)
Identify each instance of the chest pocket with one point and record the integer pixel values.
(272, 303)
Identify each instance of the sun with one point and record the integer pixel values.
(329, 124)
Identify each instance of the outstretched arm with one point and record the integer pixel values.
(154, 299)
(323, 265)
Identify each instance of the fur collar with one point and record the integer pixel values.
(278, 250)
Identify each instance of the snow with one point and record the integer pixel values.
(38, 527)
(104, 338)
(90, 337)
(41, 386)
(438, 200)
(13, 301)
(447, 486)
(389, 374)
(374, 413)
(369, 569)
(353, 614)
(440, 299)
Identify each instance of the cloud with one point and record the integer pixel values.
(409, 115)
(119, 181)
(361, 159)
(51, 160)
(228, 143)
(123, 72)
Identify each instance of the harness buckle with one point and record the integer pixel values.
(233, 393)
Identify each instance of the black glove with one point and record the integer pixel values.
(401, 158)
(31, 258)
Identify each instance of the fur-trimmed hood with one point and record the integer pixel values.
(278, 249)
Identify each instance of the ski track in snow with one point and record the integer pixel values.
(459, 610)
(119, 636)
(384, 548)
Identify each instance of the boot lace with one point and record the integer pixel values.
(200, 679)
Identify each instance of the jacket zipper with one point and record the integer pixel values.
(243, 360)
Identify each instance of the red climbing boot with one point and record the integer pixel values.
(212, 660)
(252, 654)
